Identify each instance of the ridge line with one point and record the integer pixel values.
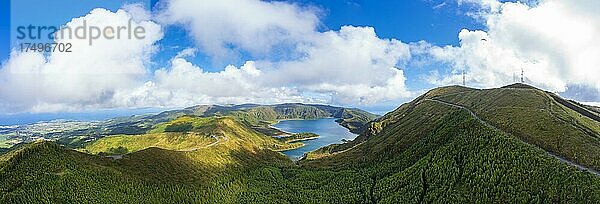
(561, 159)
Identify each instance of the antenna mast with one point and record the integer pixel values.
(522, 81)
(464, 83)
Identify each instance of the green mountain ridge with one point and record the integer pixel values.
(452, 145)
(532, 115)
(190, 133)
(257, 117)
(595, 109)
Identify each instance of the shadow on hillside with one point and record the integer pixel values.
(165, 173)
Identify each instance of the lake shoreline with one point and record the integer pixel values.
(329, 131)
(291, 148)
(286, 133)
(303, 139)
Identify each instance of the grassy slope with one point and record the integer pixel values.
(133, 143)
(220, 132)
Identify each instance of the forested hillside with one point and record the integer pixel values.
(454, 144)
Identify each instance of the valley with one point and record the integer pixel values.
(77, 134)
(452, 144)
(300, 101)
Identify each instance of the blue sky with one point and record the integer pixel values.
(4, 29)
(368, 54)
(408, 21)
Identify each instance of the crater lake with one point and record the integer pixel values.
(328, 130)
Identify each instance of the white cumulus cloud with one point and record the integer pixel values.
(350, 66)
(225, 28)
(292, 61)
(353, 64)
(89, 76)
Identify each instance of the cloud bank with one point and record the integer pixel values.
(223, 29)
(350, 66)
(556, 43)
(89, 76)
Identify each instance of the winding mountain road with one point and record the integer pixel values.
(207, 146)
(561, 159)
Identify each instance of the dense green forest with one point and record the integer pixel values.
(450, 145)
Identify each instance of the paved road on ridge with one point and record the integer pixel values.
(583, 168)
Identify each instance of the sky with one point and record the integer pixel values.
(373, 55)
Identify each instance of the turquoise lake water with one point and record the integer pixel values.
(328, 130)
